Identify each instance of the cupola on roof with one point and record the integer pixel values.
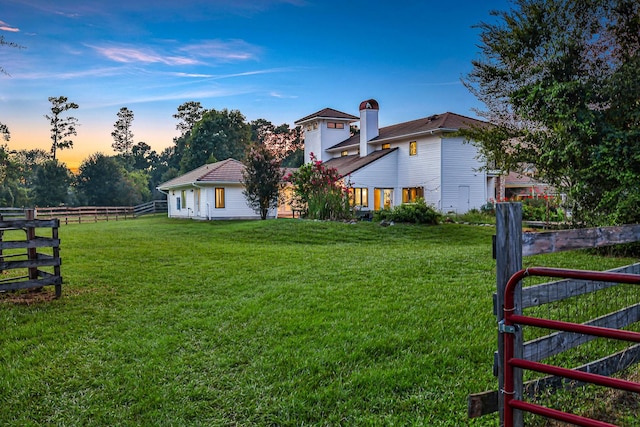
(369, 104)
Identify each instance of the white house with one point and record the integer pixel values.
(212, 191)
(396, 164)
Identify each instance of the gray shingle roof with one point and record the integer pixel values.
(229, 170)
(225, 171)
(328, 113)
(437, 122)
(349, 164)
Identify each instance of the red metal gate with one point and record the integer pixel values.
(510, 362)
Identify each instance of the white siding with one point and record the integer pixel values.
(312, 144)
(317, 141)
(235, 203)
(178, 211)
(423, 169)
(459, 171)
(383, 173)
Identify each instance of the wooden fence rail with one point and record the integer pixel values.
(81, 214)
(510, 246)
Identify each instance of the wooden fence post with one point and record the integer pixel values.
(508, 262)
(32, 255)
(56, 255)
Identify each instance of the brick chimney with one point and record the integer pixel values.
(368, 125)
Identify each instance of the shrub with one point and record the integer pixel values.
(418, 213)
(488, 208)
(542, 209)
(319, 192)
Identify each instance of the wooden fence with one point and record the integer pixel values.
(69, 215)
(511, 244)
(22, 260)
(82, 214)
(152, 207)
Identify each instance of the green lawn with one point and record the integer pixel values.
(282, 322)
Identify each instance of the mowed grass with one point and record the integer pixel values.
(279, 323)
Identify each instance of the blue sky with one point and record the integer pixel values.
(274, 59)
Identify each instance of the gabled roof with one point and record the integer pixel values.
(349, 164)
(226, 171)
(328, 113)
(446, 122)
(229, 170)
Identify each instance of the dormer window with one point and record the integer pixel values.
(386, 146)
(335, 125)
(344, 153)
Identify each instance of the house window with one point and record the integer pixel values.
(178, 205)
(359, 197)
(219, 198)
(344, 153)
(382, 198)
(386, 146)
(183, 195)
(410, 195)
(334, 125)
(413, 148)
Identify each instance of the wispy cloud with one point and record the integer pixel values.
(193, 75)
(56, 75)
(231, 75)
(130, 55)
(6, 27)
(173, 96)
(223, 50)
(281, 96)
(207, 52)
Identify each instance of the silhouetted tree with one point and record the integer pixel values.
(122, 134)
(4, 42)
(219, 135)
(13, 192)
(61, 127)
(188, 115)
(143, 156)
(104, 181)
(50, 184)
(4, 132)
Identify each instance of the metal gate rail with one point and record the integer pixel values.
(511, 319)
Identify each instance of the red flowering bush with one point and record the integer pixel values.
(319, 192)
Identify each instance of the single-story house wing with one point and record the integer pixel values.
(212, 191)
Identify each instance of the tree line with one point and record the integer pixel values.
(130, 177)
